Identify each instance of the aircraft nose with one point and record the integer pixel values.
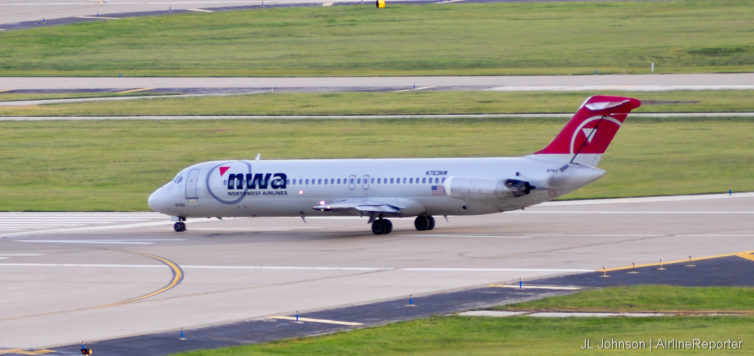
(156, 200)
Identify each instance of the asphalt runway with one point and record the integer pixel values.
(69, 277)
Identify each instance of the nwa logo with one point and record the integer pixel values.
(585, 138)
(255, 181)
(230, 182)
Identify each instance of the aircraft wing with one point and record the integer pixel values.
(388, 207)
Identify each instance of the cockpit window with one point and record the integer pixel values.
(178, 179)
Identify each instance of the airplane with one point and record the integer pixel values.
(398, 187)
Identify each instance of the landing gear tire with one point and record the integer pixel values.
(382, 226)
(179, 226)
(424, 222)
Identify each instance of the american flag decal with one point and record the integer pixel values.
(438, 190)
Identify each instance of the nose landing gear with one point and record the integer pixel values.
(180, 226)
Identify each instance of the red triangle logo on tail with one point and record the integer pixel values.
(223, 170)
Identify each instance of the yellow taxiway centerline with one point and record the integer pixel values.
(133, 90)
(745, 254)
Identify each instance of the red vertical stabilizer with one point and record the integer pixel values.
(586, 136)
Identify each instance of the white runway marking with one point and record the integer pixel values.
(306, 268)
(102, 242)
(310, 320)
(200, 10)
(440, 269)
(472, 236)
(96, 242)
(670, 198)
(252, 229)
(85, 265)
(516, 286)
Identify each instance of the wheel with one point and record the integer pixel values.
(378, 227)
(421, 223)
(179, 226)
(431, 221)
(382, 226)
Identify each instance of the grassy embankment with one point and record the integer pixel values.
(472, 39)
(543, 336)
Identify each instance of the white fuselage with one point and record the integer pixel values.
(422, 186)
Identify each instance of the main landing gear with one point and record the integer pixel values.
(382, 226)
(180, 226)
(424, 222)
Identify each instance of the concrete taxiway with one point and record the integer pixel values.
(44, 12)
(214, 85)
(69, 277)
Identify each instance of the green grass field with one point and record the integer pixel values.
(359, 103)
(442, 335)
(114, 165)
(497, 38)
(649, 298)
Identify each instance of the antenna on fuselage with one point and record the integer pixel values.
(259, 157)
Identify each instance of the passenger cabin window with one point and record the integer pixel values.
(391, 180)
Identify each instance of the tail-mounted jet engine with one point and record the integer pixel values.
(518, 187)
(481, 188)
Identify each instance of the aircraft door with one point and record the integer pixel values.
(365, 182)
(191, 181)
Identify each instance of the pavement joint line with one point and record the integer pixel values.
(664, 263)
(515, 286)
(26, 352)
(134, 90)
(310, 320)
